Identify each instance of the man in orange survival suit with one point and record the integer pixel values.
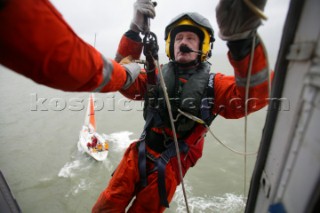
(148, 172)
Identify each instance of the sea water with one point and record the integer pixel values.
(39, 130)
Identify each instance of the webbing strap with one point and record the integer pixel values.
(142, 160)
(142, 163)
(152, 117)
(161, 163)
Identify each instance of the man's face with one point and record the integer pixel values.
(189, 39)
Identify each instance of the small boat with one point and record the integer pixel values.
(90, 141)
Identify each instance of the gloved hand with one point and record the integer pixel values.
(142, 9)
(236, 21)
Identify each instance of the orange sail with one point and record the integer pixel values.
(90, 120)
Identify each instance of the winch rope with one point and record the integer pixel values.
(151, 53)
(166, 97)
(246, 113)
(260, 14)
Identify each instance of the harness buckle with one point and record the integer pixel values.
(167, 140)
(151, 157)
(165, 158)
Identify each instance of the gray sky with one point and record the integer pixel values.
(110, 19)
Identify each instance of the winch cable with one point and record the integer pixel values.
(155, 62)
(152, 63)
(261, 15)
(166, 96)
(246, 115)
(247, 98)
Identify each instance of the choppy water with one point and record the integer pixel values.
(47, 173)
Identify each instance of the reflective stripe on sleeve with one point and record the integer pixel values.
(106, 73)
(133, 70)
(255, 79)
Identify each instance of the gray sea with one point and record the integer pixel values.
(39, 130)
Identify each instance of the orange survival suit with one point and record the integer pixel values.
(228, 102)
(35, 41)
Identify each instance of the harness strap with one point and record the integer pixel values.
(161, 163)
(152, 117)
(142, 150)
(142, 163)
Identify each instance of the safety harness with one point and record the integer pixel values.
(154, 114)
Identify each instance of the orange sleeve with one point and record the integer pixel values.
(230, 90)
(138, 89)
(36, 42)
(127, 47)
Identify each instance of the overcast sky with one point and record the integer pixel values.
(110, 19)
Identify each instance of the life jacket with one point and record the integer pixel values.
(195, 97)
(187, 96)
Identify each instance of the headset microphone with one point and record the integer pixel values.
(186, 49)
